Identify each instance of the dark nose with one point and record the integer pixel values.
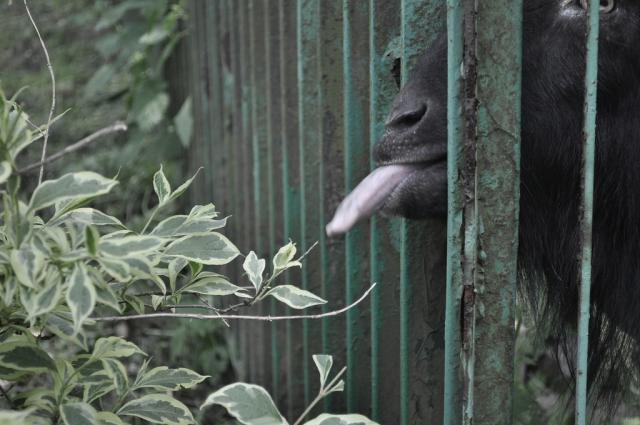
(405, 116)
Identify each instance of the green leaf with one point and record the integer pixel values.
(81, 296)
(284, 256)
(88, 216)
(116, 371)
(212, 285)
(184, 186)
(158, 409)
(184, 123)
(155, 36)
(91, 237)
(164, 379)
(83, 184)
(249, 404)
(161, 186)
(27, 263)
(212, 249)
(99, 81)
(25, 356)
(153, 112)
(180, 225)
(109, 418)
(254, 268)
(128, 245)
(295, 297)
(78, 414)
(5, 171)
(326, 419)
(323, 363)
(115, 347)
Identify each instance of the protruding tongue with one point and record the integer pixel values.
(367, 197)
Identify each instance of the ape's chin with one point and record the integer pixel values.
(420, 196)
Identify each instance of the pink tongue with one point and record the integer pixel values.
(367, 197)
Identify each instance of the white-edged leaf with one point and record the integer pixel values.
(183, 187)
(131, 244)
(213, 249)
(27, 263)
(174, 268)
(164, 379)
(44, 300)
(117, 268)
(16, 417)
(25, 356)
(156, 301)
(324, 363)
(5, 171)
(78, 414)
(83, 184)
(180, 225)
(212, 285)
(114, 347)
(158, 409)
(184, 122)
(81, 295)
(247, 403)
(161, 186)
(295, 297)
(327, 419)
(109, 418)
(106, 296)
(254, 268)
(284, 256)
(88, 216)
(152, 113)
(116, 371)
(203, 211)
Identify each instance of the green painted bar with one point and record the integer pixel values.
(205, 102)
(291, 188)
(307, 33)
(586, 222)
(498, 90)
(356, 162)
(273, 109)
(422, 261)
(215, 134)
(452, 387)
(331, 181)
(384, 58)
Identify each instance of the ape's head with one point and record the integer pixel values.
(411, 176)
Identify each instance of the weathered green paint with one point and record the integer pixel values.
(452, 408)
(499, 50)
(356, 162)
(307, 33)
(384, 57)
(586, 222)
(331, 184)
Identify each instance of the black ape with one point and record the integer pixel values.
(411, 179)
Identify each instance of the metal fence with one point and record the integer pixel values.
(289, 97)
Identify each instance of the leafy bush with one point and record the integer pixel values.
(65, 266)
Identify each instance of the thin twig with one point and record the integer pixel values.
(233, 316)
(113, 128)
(53, 92)
(214, 309)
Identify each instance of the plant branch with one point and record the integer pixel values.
(53, 92)
(321, 394)
(113, 128)
(235, 316)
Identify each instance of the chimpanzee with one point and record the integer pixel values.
(411, 176)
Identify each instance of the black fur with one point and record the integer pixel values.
(552, 105)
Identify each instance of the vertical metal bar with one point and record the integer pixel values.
(291, 186)
(586, 222)
(331, 173)
(273, 109)
(421, 257)
(498, 92)
(307, 30)
(214, 143)
(355, 47)
(384, 26)
(452, 410)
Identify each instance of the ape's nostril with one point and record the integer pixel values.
(404, 118)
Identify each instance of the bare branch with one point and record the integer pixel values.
(113, 128)
(234, 316)
(53, 92)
